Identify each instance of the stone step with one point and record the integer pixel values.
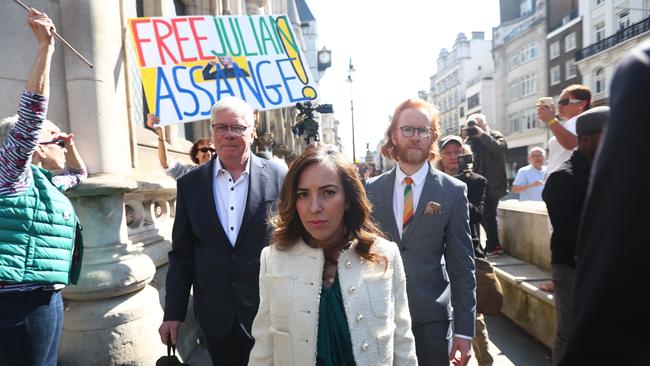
(524, 302)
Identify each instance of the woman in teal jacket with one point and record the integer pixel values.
(40, 249)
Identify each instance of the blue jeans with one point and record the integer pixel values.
(30, 327)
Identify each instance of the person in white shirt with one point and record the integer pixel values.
(574, 100)
(529, 181)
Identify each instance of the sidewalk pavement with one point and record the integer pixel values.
(511, 345)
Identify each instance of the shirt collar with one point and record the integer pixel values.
(418, 177)
(219, 169)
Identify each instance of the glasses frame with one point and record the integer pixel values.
(427, 131)
(59, 142)
(568, 101)
(206, 149)
(217, 126)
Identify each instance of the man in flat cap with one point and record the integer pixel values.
(564, 195)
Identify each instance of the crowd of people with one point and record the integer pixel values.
(311, 263)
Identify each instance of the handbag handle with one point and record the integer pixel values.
(171, 348)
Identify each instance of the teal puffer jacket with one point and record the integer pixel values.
(38, 229)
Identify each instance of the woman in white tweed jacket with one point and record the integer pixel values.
(332, 291)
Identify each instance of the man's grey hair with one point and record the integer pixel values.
(6, 124)
(535, 149)
(475, 116)
(233, 104)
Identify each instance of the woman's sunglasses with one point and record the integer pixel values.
(59, 142)
(206, 149)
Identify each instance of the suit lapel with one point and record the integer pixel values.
(388, 215)
(206, 180)
(428, 191)
(257, 180)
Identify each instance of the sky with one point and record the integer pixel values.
(394, 47)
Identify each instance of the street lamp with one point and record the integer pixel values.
(349, 80)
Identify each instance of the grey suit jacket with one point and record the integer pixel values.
(436, 249)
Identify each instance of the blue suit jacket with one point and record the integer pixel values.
(436, 249)
(225, 278)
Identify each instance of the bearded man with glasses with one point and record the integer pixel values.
(573, 100)
(425, 212)
(218, 236)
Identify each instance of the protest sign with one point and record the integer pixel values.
(188, 63)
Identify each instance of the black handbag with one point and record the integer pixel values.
(170, 359)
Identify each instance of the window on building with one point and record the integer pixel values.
(599, 31)
(473, 101)
(529, 84)
(571, 70)
(623, 19)
(525, 7)
(514, 123)
(599, 80)
(646, 8)
(556, 77)
(598, 2)
(554, 50)
(462, 112)
(569, 42)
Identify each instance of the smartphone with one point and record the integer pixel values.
(545, 101)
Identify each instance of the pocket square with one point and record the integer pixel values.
(432, 208)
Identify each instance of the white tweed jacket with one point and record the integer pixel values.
(286, 326)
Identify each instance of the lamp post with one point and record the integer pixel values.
(349, 80)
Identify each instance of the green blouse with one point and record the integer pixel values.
(334, 347)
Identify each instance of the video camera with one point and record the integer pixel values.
(306, 123)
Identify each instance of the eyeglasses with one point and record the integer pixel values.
(206, 149)
(408, 131)
(236, 129)
(568, 101)
(59, 142)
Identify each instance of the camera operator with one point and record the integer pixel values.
(489, 147)
(457, 161)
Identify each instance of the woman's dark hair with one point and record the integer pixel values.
(287, 227)
(195, 149)
(580, 92)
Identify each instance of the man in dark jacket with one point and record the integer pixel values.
(564, 194)
(489, 147)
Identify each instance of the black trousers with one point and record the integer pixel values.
(231, 350)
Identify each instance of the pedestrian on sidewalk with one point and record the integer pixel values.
(325, 253)
(610, 319)
(489, 147)
(452, 148)
(564, 195)
(425, 212)
(529, 181)
(219, 232)
(40, 236)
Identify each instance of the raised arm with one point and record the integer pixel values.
(39, 76)
(162, 148)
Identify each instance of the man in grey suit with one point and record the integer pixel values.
(425, 212)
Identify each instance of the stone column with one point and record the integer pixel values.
(112, 315)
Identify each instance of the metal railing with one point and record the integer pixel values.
(620, 36)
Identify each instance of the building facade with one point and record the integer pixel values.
(519, 49)
(610, 28)
(563, 41)
(468, 59)
(127, 204)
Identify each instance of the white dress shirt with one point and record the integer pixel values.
(230, 198)
(398, 192)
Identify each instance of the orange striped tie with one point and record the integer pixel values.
(407, 217)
